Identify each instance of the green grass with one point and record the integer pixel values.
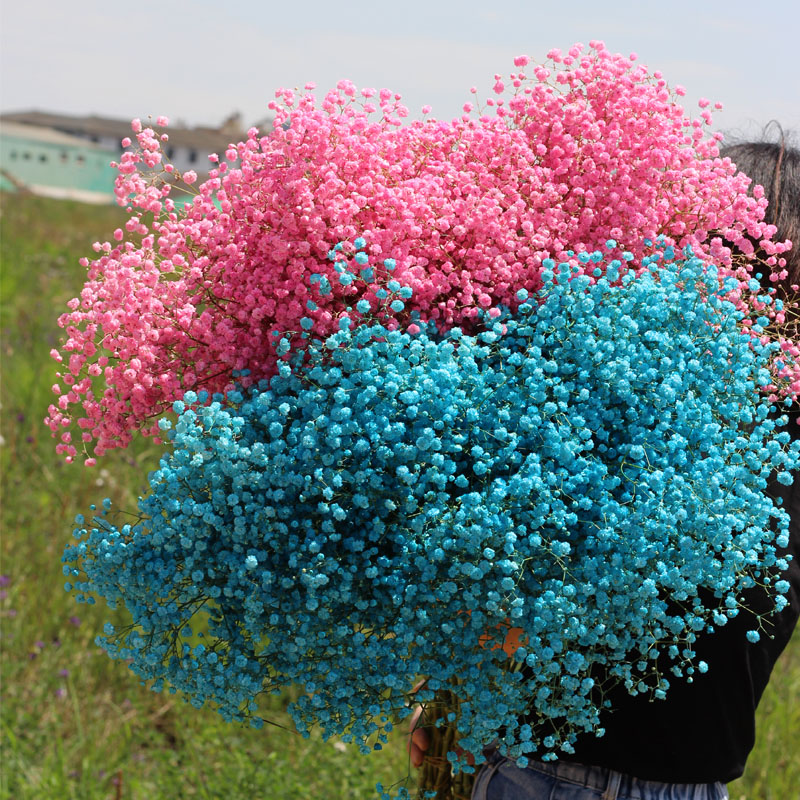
(77, 725)
(773, 769)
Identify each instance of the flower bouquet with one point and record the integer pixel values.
(487, 403)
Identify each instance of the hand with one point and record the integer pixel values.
(418, 739)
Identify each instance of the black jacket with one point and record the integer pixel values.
(703, 731)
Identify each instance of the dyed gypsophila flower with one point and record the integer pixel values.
(589, 469)
(586, 147)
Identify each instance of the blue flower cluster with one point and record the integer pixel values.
(589, 470)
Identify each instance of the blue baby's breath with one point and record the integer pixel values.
(589, 470)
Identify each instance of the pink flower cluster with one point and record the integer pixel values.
(585, 148)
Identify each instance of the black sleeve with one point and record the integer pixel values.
(704, 731)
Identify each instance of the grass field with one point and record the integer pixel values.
(76, 725)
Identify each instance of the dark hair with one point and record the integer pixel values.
(776, 167)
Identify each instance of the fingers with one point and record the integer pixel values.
(417, 746)
(418, 740)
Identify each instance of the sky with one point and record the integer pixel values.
(198, 61)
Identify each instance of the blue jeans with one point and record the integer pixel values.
(502, 779)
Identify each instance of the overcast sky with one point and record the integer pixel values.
(200, 60)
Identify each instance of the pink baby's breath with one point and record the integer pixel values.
(467, 208)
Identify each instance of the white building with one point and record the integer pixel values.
(186, 148)
(47, 162)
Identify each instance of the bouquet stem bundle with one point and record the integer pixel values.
(436, 773)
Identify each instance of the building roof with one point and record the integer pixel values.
(46, 135)
(204, 140)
